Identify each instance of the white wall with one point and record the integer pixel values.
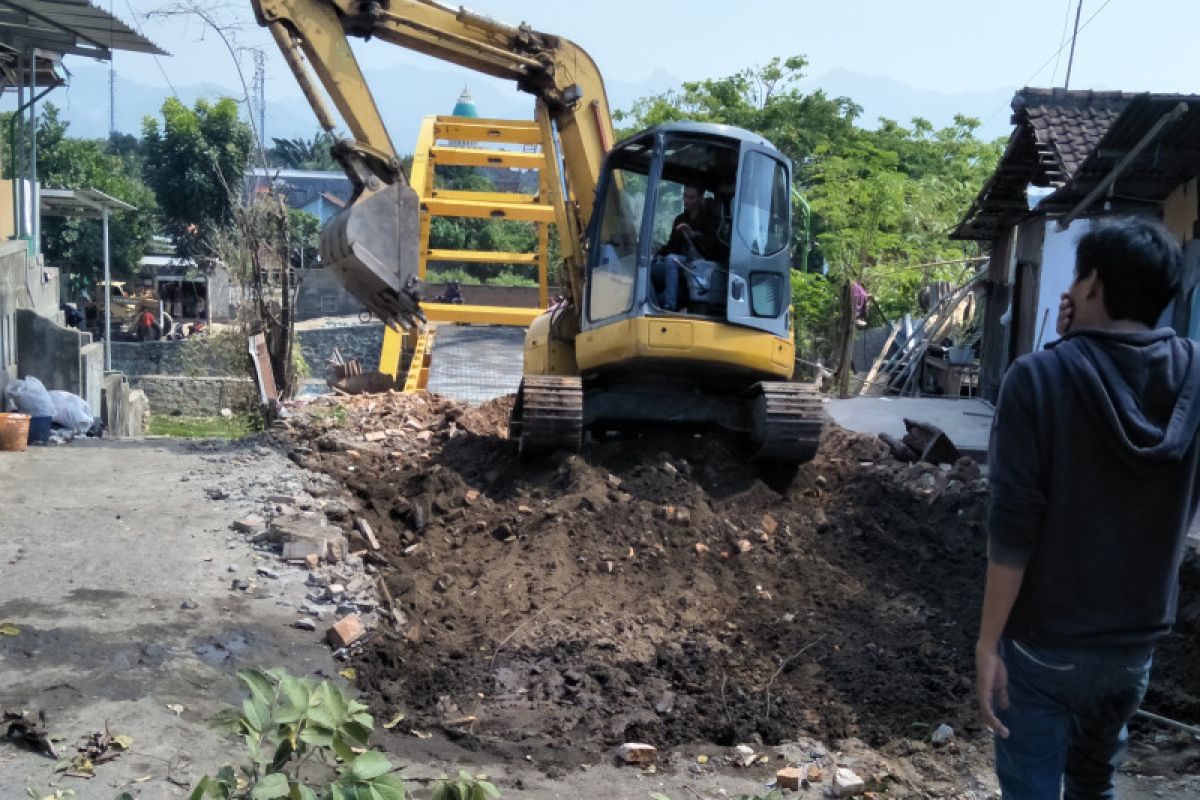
(1057, 273)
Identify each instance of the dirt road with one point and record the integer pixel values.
(115, 565)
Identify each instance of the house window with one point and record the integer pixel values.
(328, 303)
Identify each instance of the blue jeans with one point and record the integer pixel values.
(666, 270)
(1066, 720)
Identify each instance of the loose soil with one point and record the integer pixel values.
(659, 589)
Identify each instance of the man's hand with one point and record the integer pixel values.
(991, 686)
(1066, 313)
(684, 228)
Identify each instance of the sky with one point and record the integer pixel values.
(941, 45)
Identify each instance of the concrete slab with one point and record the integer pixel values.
(967, 421)
(476, 363)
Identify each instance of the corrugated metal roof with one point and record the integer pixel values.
(73, 27)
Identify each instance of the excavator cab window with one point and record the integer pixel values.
(693, 210)
(613, 278)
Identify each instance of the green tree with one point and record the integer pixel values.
(303, 153)
(76, 244)
(766, 100)
(305, 234)
(195, 161)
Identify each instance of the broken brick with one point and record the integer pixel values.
(769, 525)
(788, 778)
(374, 436)
(744, 546)
(346, 631)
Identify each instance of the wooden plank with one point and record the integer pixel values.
(879, 358)
(364, 528)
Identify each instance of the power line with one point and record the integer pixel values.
(1055, 54)
(158, 63)
(1062, 47)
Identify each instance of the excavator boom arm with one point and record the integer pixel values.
(572, 105)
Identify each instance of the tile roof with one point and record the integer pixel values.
(1055, 132)
(1067, 125)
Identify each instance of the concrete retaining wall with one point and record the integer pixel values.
(196, 397)
(61, 358)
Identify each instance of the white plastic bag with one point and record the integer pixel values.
(71, 411)
(30, 397)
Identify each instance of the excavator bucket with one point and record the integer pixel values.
(373, 247)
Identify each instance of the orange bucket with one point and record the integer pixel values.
(14, 432)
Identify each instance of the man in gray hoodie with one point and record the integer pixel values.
(1095, 473)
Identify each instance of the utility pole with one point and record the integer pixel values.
(1074, 36)
(260, 96)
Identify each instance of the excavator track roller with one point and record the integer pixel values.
(787, 421)
(548, 415)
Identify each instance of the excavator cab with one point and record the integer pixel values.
(730, 262)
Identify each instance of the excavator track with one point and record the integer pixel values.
(548, 414)
(787, 422)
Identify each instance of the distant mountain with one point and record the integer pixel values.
(406, 93)
(884, 97)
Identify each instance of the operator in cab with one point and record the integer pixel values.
(693, 229)
(693, 238)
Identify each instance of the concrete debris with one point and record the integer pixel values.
(267, 572)
(251, 524)
(638, 753)
(305, 624)
(943, 734)
(846, 783)
(744, 755)
(189, 605)
(239, 585)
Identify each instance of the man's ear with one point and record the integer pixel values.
(1093, 289)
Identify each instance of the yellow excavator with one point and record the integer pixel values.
(698, 336)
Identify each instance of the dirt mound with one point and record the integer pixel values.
(658, 589)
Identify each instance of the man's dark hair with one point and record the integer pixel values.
(1139, 263)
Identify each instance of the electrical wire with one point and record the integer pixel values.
(1062, 41)
(137, 18)
(1054, 55)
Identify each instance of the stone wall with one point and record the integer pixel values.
(196, 397)
(353, 341)
(169, 358)
(190, 358)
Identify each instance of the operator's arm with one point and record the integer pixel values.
(1015, 520)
